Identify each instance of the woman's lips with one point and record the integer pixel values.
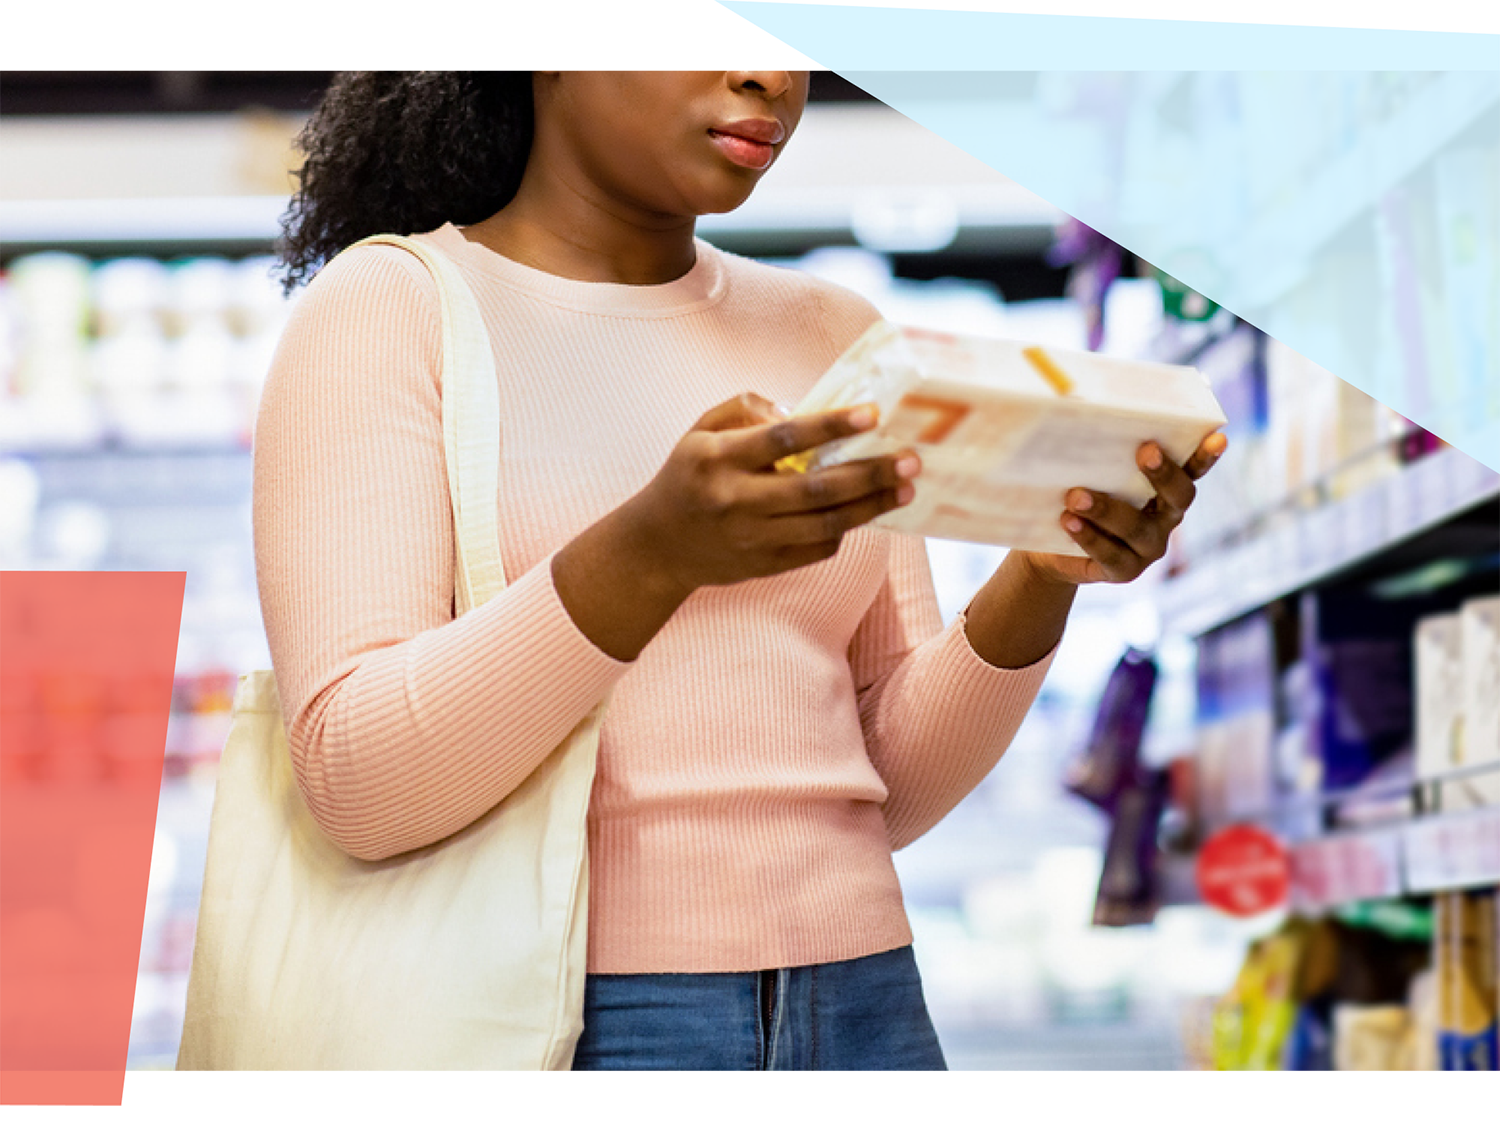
(751, 143)
(743, 151)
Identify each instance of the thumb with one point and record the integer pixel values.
(743, 411)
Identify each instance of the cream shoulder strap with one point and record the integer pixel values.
(471, 425)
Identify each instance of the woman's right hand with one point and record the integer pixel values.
(719, 512)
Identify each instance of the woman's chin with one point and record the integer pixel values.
(724, 198)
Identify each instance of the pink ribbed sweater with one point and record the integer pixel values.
(764, 754)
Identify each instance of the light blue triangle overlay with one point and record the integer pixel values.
(1373, 251)
(907, 39)
(1353, 215)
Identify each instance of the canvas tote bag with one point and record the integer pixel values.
(469, 953)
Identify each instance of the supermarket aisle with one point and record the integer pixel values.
(1323, 636)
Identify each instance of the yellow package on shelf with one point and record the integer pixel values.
(1004, 429)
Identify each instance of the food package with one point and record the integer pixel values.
(1439, 675)
(1110, 774)
(1110, 763)
(1479, 633)
(1359, 653)
(1276, 1007)
(1370, 1037)
(1232, 1013)
(1254, 1021)
(1421, 1051)
(1464, 955)
(1005, 429)
(1236, 719)
(1373, 1040)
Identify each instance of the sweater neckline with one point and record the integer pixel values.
(702, 285)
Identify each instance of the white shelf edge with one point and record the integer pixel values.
(257, 218)
(143, 220)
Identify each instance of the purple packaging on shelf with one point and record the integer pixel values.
(1109, 774)
(1110, 762)
(1358, 650)
(1129, 887)
(1237, 720)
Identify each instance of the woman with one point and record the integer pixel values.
(787, 707)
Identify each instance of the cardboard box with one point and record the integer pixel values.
(1438, 651)
(1479, 630)
(1004, 429)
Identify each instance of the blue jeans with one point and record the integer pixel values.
(866, 1013)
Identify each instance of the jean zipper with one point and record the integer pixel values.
(768, 1011)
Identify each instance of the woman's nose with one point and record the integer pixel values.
(772, 83)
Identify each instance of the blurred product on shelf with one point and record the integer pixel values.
(199, 722)
(1480, 632)
(1359, 657)
(1255, 1018)
(1236, 721)
(1096, 263)
(1181, 301)
(136, 352)
(1110, 775)
(1323, 994)
(1465, 955)
(1108, 764)
(1298, 436)
(1372, 1037)
(1437, 648)
(1458, 695)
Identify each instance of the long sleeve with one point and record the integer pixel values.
(404, 723)
(936, 716)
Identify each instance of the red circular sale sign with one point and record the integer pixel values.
(1244, 870)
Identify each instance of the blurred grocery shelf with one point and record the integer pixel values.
(219, 184)
(155, 222)
(1304, 542)
(1408, 858)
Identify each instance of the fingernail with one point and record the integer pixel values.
(783, 410)
(862, 417)
(1152, 458)
(905, 493)
(908, 466)
(1080, 500)
(1072, 524)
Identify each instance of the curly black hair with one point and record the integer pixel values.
(404, 152)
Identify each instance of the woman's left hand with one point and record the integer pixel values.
(1122, 540)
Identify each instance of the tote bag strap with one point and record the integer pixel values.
(471, 427)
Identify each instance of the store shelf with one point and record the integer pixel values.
(1416, 858)
(1346, 867)
(919, 218)
(1430, 854)
(28, 224)
(217, 180)
(1300, 547)
(210, 476)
